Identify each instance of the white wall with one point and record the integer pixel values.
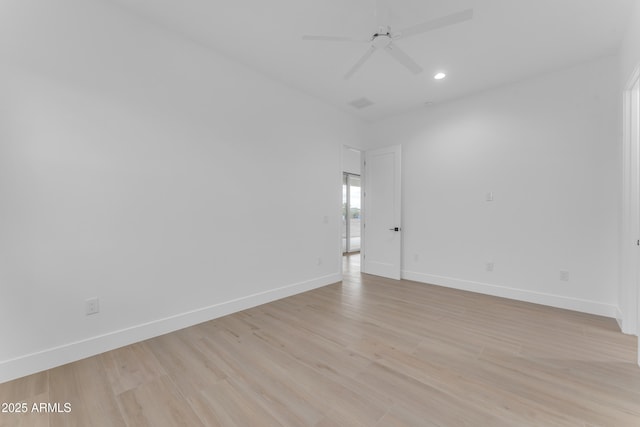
(548, 150)
(630, 47)
(168, 181)
(351, 160)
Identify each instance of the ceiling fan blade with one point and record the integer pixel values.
(383, 16)
(435, 24)
(361, 61)
(403, 58)
(335, 39)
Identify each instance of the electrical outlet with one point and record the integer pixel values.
(416, 257)
(489, 266)
(325, 219)
(92, 306)
(564, 275)
(319, 261)
(489, 196)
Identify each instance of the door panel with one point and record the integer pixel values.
(635, 141)
(382, 256)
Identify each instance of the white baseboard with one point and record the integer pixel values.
(619, 318)
(627, 327)
(71, 352)
(558, 301)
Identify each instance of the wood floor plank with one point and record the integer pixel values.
(25, 388)
(29, 390)
(157, 404)
(365, 352)
(397, 416)
(83, 384)
(30, 418)
(316, 352)
(229, 403)
(427, 401)
(346, 406)
(184, 362)
(271, 382)
(131, 366)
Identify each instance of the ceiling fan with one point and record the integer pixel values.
(384, 38)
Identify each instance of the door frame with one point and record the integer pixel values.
(629, 315)
(362, 209)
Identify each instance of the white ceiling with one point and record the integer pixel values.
(506, 41)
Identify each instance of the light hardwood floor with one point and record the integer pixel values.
(365, 352)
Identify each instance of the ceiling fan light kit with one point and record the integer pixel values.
(385, 39)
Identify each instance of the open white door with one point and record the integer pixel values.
(630, 272)
(635, 142)
(382, 212)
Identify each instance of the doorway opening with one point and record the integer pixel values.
(351, 213)
(352, 243)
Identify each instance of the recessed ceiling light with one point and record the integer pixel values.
(428, 103)
(440, 76)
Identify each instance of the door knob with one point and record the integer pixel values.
(394, 229)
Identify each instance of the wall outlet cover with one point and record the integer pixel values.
(92, 306)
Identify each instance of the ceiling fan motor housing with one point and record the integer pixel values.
(381, 40)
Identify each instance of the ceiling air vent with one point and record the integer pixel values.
(361, 103)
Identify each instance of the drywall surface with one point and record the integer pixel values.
(351, 160)
(168, 181)
(547, 150)
(630, 48)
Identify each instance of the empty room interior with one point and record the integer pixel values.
(319, 213)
